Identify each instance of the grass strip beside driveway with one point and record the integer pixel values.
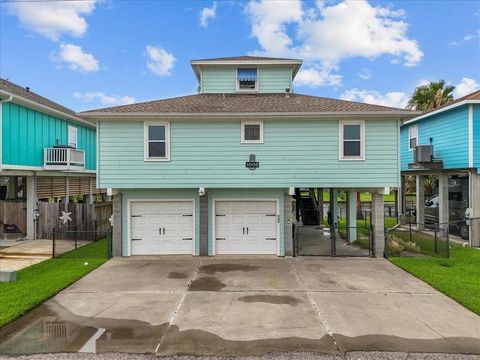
(457, 277)
(41, 281)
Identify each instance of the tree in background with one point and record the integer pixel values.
(430, 96)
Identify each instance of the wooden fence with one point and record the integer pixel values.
(80, 214)
(13, 219)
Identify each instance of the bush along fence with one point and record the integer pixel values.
(427, 239)
(72, 237)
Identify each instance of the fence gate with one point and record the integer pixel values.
(340, 241)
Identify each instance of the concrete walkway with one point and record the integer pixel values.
(232, 306)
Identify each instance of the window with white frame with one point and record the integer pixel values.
(352, 140)
(72, 136)
(157, 141)
(252, 132)
(412, 137)
(247, 79)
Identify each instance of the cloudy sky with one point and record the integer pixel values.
(90, 54)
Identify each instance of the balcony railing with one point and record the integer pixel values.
(63, 158)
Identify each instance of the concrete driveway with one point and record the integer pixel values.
(231, 306)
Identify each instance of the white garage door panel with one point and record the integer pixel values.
(161, 228)
(245, 227)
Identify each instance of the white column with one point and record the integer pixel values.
(420, 199)
(351, 216)
(443, 211)
(90, 191)
(31, 206)
(474, 204)
(67, 192)
(378, 224)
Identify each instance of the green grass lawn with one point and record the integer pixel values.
(457, 277)
(41, 281)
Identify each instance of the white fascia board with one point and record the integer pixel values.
(46, 109)
(446, 108)
(382, 115)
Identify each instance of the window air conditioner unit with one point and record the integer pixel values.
(423, 153)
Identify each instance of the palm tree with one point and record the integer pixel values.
(431, 96)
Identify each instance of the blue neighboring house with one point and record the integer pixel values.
(47, 153)
(445, 143)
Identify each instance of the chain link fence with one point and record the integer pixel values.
(73, 237)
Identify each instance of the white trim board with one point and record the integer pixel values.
(446, 108)
(213, 215)
(470, 136)
(129, 228)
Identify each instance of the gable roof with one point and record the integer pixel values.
(204, 105)
(246, 60)
(472, 98)
(28, 98)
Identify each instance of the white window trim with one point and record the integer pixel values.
(242, 135)
(341, 157)
(237, 87)
(412, 137)
(167, 140)
(69, 141)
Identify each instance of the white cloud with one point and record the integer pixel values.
(53, 18)
(465, 87)
(316, 77)
(365, 74)
(103, 98)
(466, 38)
(76, 58)
(160, 61)
(324, 34)
(395, 98)
(208, 13)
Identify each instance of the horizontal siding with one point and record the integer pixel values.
(203, 153)
(449, 133)
(476, 136)
(26, 132)
(223, 79)
(274, 80)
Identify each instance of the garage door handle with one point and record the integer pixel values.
(187, 215)
(247, 230)
(136, 239)
(270, 238)
(220, 238)
(163, 231)
(187, 239)
(159, 231)
(243, 231)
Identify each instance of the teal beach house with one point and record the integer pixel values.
(445, 144)
(214, 172)
(48, 153)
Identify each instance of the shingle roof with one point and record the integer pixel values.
(17, 90)
(245, 103)
(246, 58)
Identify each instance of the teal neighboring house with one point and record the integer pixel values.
(214, 172)
(445, 143)
(48, 153)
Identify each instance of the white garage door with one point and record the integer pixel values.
(161, 227)
(245, 227)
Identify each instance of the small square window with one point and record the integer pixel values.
(157, 142)
(252, 132)
(247, 79)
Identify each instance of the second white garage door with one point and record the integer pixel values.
(246, 227)
(161, 227)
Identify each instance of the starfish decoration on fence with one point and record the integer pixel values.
(110, 219)
(66, 217)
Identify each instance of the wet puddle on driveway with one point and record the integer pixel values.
(50, 328)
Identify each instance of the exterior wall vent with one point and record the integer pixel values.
(423, 154)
